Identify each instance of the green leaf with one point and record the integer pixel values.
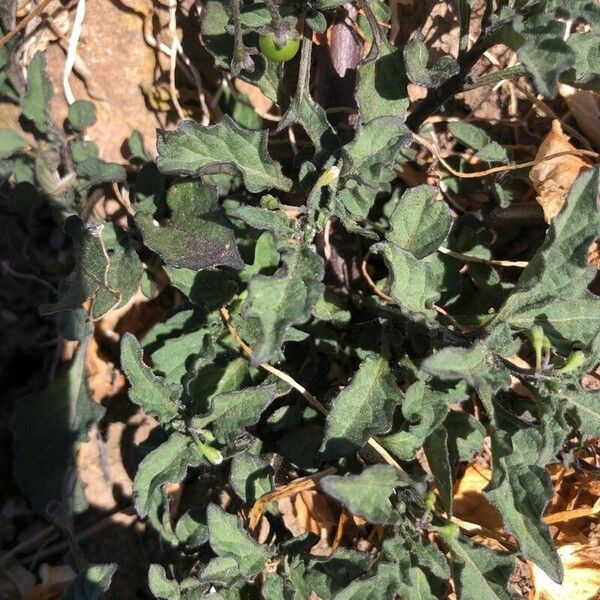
(480, 573)
(367, 494)
(438, 458)
(232, 412)
(584, 408)
(228, 538)
(414, 282)
(364, 408)
(91, 268)
(381, 88)
(166, 464)
(418, 69)
(35, 102)
(194, 149)
(420, 223)
(47, 428)
(191, 529)
(93, 171)
(91, 584)
(198, 235)
(160, 585)
(11, 143)
(544, 52)
(585, 74)
(82, 114)
(156, 397)
(381, 586)
(520, 489)
(553, 290)
(212, 287)
(480, 366)
(260, 218)
(284, 299)
(474, 137)
(221, 570)
(250, 477)
(137, 148)
(375, 146)
(465, 436)
(424, 408)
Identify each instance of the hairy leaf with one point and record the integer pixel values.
(160, 585)
(420, 223)
(11, 143)
(228, 538)
(198, 235)
(418, 69)
(367, 494)
(35, 102)
(364, 408)
(194, 149)
(91, 584)
(284, 299)
(156, 397)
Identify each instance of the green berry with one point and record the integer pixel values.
(273, 52)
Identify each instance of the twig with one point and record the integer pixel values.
(22, 24)
(302, 484)
(521, 264)
(173, 61)
(501, 169)
(72, 50)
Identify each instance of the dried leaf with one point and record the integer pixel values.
(582, 575)
(553, 178)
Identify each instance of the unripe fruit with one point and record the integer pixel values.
(273, 52)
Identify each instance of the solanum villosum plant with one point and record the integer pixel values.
(326, 333)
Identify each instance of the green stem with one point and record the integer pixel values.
(513, 72)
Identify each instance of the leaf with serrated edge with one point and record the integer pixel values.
(364, 408)
(35, 102)
(284, 299)
(367, 494)
(228, 538)
(194, 149)
(198, 235)
(166, 464)
(553, 290)
(156, 397)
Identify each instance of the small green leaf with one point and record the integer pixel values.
(82, 114)
(156, 397)
(364, 408)
(191, 529)
(476, 138)
(480, 365)
(212, 287)
(160, 585)
(35, 102)
(250, 477)
(381, 88)
(367, 494)
(229, 539)
(166, 464)
(414, 282)
(418, 69)
(438, 458)
(91, 584)
(194, 149)
(11, 143)
(420, 223)
(198, 235)
(232, 412)
(284, 299)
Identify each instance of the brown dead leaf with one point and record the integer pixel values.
(585, 107)
(470, 504)
(582, 575)
(553, 178)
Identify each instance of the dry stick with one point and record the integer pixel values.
(302, 484)
(297, 386)
(436, 153)
(521, 264)
(22, 24)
